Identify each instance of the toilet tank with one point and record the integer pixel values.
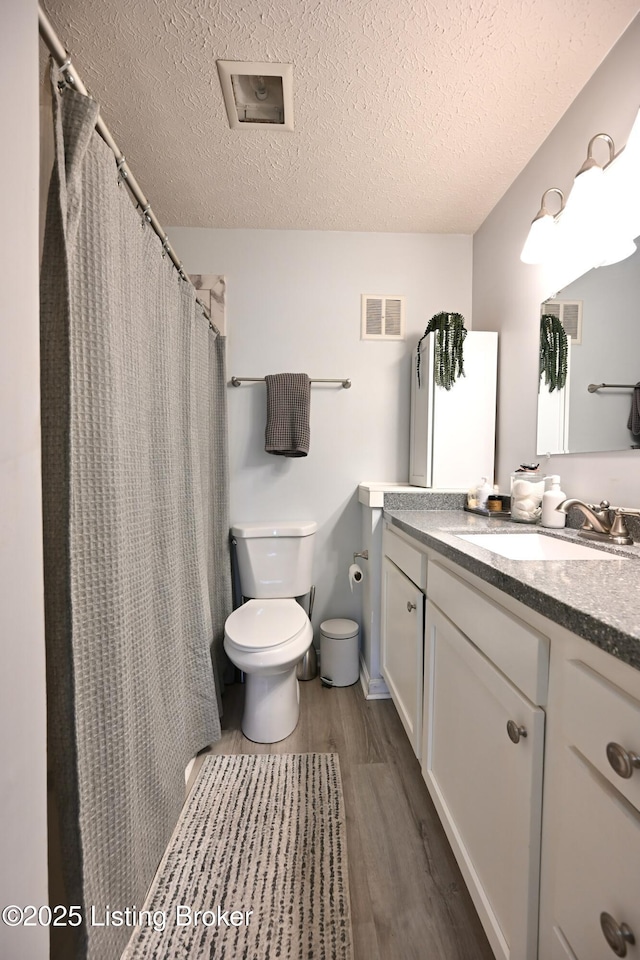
(275, 559)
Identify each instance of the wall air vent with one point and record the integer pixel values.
(382, 317)
(569, 312)
(257, 94)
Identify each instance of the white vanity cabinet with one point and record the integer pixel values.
(482, 756)
(402, 636)
(590, 905)
(552, 862)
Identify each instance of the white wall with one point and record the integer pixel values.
(23, 871)
(293, 304)
(507, 293)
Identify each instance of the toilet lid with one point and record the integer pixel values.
(260, 624)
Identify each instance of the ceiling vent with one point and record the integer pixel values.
(257, 94)
(569, 312)
(382, 318)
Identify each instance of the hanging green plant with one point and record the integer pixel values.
(450, 332)
(553, 352)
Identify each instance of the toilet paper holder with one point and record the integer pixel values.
(363, 553)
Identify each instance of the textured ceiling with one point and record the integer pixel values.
(410, 115)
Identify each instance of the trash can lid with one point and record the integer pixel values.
(339, 629)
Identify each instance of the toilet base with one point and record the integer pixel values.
(271, 706)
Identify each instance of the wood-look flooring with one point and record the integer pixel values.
(408, 898)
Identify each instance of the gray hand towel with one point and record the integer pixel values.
(288, 401)
(633, 422)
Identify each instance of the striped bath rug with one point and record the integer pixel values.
(256, 868)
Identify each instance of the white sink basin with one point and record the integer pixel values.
(535, 546)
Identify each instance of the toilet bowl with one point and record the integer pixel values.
(265, 639)
(270, 633)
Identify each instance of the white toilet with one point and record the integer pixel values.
(270, 633)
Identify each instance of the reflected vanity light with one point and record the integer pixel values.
(601, 216)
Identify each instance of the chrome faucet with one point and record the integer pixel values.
(602, 521)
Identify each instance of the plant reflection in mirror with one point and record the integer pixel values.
(553, 352)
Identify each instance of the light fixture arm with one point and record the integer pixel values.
(542, 230)
(544, 211)
(590, 162)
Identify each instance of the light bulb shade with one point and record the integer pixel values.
(584, 229)
(585, 203)
(540, 241)
(618, 250)
(623, 186)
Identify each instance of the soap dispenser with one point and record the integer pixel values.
(553, 496)
(484, 490)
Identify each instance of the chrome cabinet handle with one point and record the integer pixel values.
(410, 606)
(515, 732)
(617, 935)
(624, 762)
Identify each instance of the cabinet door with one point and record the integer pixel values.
(486, 788)
(467, 412)
(402, 648)
(597, 868)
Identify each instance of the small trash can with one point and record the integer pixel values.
(339, 665)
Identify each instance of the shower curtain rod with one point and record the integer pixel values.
(72, 77)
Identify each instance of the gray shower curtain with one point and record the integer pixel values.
(135, 497)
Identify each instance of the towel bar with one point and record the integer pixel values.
(237, 381)
(593, 387)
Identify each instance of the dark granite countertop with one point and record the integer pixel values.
(598, 600)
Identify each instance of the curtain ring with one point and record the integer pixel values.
(120, 165)
(146, 214)
(67, 79)
(165, 245)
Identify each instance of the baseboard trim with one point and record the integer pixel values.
(374, 688)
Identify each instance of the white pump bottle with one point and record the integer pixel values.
(550, 500)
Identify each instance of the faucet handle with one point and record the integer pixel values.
(619, 530)
(600, 508)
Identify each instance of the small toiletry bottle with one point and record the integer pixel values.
(484, 490)
(550, 500)
(494, 500)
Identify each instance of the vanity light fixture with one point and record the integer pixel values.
(540, 243)
(597, 224)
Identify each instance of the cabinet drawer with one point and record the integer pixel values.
(519, 652)
(412, 562)
(597, 868)
(597, 713)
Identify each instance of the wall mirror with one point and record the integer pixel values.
(601, 315)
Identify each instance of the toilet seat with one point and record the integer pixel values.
(265, 624)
